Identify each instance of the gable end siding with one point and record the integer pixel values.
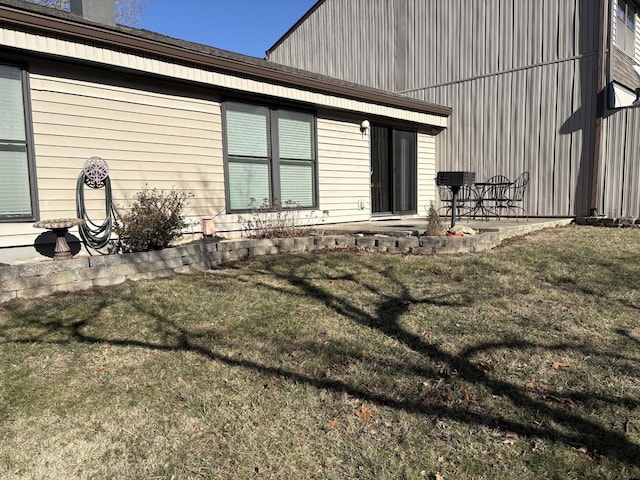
(519, 76)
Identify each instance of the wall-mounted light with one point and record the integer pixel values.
(364, 127)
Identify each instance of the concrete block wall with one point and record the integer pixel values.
(626, 222)
(46, 278)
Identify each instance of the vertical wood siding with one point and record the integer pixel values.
(621, 181)
(519, 75)
(331, 29)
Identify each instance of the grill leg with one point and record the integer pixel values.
(454, 206)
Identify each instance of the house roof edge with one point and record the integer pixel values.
(26, 15)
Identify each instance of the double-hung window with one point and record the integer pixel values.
(626, 27)
(271, 157)
(17, 178)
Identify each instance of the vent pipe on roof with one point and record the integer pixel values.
(101, 11)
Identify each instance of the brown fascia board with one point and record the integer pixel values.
(142, 41)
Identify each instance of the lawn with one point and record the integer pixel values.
(521, 362)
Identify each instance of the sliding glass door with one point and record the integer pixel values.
(393, 171)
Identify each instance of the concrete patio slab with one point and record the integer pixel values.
(506, 228)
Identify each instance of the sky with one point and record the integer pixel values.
(250, 27)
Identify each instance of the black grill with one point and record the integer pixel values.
(455, 179)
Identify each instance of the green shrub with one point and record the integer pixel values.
(154, 220)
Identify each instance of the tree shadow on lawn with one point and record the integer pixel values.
(626, 334)
(386, 320)
(579, 430)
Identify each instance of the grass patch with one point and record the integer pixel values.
(521, 362)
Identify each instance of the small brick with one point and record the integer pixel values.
(9, 272)
(328, 241)
(6, 296)
(260, 251)
(21, 283)
(305, 244)
(36, 292)
(345, 241)
(365, 242)
(230, 245)
(193, 268)
(286, 245)
(45, 268)
(105, 260)
(109, 281)
(386, 243)
(60, 278)
(76, 286)
(405, 243)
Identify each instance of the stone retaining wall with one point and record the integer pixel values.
(45, 278)
(628, 222)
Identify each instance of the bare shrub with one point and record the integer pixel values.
(279, 220)
(435, 228)
(154, 220)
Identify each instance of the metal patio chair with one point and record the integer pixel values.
(446, 198)
(465, 203)
(515, 195)
(492, 195)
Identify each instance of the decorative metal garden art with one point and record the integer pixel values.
(95, 174)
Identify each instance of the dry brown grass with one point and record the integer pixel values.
(521, 362)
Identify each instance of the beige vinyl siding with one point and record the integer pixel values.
(148, 139)
(344, 170)
(142, 116)
(426, 173)
(344, 179)
(64, 48)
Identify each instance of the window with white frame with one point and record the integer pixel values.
(17, 178)
(271, 157)
(626, 14)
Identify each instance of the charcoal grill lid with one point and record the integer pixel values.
(455, 179)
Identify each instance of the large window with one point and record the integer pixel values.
(270, 157)
(626, 27)
(17, 188)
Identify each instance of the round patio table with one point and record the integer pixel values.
(60, 226)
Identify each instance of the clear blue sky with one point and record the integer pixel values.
(242, 26)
